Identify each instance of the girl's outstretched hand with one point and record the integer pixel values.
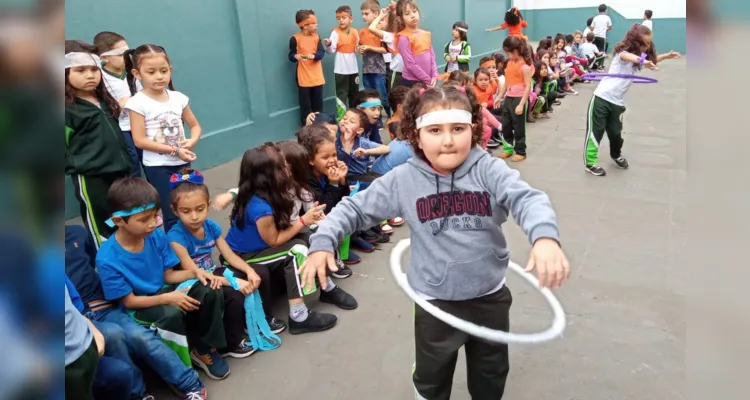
(314, 214)
(650, 65)
(316, 266)
(552, 268)
(221, 201)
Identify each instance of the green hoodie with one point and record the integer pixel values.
(94, 143)
(464, 56)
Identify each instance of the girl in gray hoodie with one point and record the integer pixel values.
(455, 198)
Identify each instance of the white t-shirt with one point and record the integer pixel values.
(649, 24)
(118, 88)
(588, 49)
(163, 124)
(344, 63)
(586, 32)
(601, 23)
(614, 89)
(454, 50)
(397, 63)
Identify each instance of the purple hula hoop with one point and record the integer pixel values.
(634, 78)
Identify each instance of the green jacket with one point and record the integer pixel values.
(464, 56)
(94, 143)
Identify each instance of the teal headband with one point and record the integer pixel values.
(128, 213)
(371, 103)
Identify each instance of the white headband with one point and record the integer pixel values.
(116, 52)
(458, 28)
(444, 117)
(79, 59)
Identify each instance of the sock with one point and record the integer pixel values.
(298, 312)
(329, 285)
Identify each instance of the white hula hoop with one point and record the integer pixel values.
(553, 332)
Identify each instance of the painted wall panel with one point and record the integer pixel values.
(230, 57)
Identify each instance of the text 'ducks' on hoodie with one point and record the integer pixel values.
(458, 250)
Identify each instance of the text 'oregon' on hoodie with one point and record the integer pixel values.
(458, 250)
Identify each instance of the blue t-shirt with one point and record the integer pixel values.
(248, 239)
(123, 272)
(199, 249)
(400, 153)
(356, 165)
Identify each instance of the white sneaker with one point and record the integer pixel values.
(387, 229)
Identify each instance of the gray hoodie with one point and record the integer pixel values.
(458, 250)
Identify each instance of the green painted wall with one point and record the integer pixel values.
(230, 57)
(669, 33)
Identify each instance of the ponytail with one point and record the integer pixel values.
(129, 56)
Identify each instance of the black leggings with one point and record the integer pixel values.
(276, 263)
(310, 100)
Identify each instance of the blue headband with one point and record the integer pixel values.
(371, 103)
(194, 177)
(128, 213)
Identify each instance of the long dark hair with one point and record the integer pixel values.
(263, 174)
(514, 43)
(400, 8)
(464, 36)
(538, 78)
(635, 43)
(513, 16)
(112, 105)
(133, 58)
(298, 160)
(448, 97)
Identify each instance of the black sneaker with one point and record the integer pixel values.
(595, 170)
(369, 236)
(343, 272)
(621, 162)
(494, 143)
(339, 298)
(315, 322)
(383, 237)
(277, 326)
(244, 349)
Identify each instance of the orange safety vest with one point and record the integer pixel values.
(347, 42)
(420, 41)
(368, 38)
(309, 71)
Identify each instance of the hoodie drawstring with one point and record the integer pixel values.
(435, 208)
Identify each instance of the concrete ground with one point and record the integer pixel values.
(623, 234)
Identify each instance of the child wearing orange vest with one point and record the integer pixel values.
(306, 49)
(514, 23)
(415, 47)
(344, 41)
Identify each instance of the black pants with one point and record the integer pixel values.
(310, 100)
(388, 78)
(276, 263)
(437, 345)
(234, 313)
(551, 96)
(514, 126)
(603, 116)
(91, 192)
(79, 375)
(600, 43)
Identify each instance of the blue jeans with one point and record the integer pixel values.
(159, 179)
(116, 379)
(117, 376)
(143, 344)
(135, 153)
(377, 82)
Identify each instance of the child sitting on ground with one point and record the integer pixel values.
(263, 235)
(142, 343)
(138, 267)
(368, 100)
(355, 150)
(193, 239)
